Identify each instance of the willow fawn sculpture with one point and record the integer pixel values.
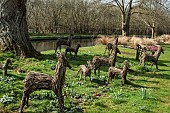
(38, 81)
(122, 72)
(75, 50)
(5, 66)
(85, 70)
(151, 58)
(63, 42)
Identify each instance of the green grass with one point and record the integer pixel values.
(148, 89)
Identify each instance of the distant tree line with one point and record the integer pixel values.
(99, 16)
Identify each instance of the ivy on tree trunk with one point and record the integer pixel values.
(14, 30)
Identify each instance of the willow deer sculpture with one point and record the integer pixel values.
(38, 81)
(112, 71)
(63, 42)
(153, 58)
(75, 50)
(5, 66)
(102, 61)
(86, 70)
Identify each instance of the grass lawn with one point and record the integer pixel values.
(148, 89)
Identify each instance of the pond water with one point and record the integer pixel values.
(51, 44)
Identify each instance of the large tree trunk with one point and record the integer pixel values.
(126, 16)
(125, 25)
(13, 28)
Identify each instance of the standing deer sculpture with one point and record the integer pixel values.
(102, 61)
(5, 66)
(85, 70)
(63, 42)
(122, 72)
(75, 50)
(38, 81)
(153, 58)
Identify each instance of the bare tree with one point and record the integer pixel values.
(88, 16)
(126, 8)
(13, 28)
(153, 13)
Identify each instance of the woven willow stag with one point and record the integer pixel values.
(38, 81)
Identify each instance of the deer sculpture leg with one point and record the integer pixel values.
(95, 71)
(23, 102)
(27, 98)
(110, 76)
(123, 80)
(156, 64)
(109, 52)
(58, 92)
(98, 68)
(56, 48)
(81, 75)
(105, 50)
(99, 71)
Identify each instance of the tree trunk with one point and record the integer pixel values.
(153, 31)
(13, 28)
(125, 24)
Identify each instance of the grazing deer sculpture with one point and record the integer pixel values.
(109, 47)
(85, 70)
(63, 42)
(75, 50)
(151, 58)
(38, 81)
(122, 72)
(5, 66)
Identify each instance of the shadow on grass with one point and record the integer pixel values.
(47, 57)
(99, 82)
(162, 63)
(17, 76)
(151, 75)
(135, 85)
(156, 82)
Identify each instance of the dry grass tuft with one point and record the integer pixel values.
(105, 40)
(149, 42)
(136, 40)
(133, 41)
(123, 40)
(102, 39)
(165, 39)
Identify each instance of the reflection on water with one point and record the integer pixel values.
(51, 44)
